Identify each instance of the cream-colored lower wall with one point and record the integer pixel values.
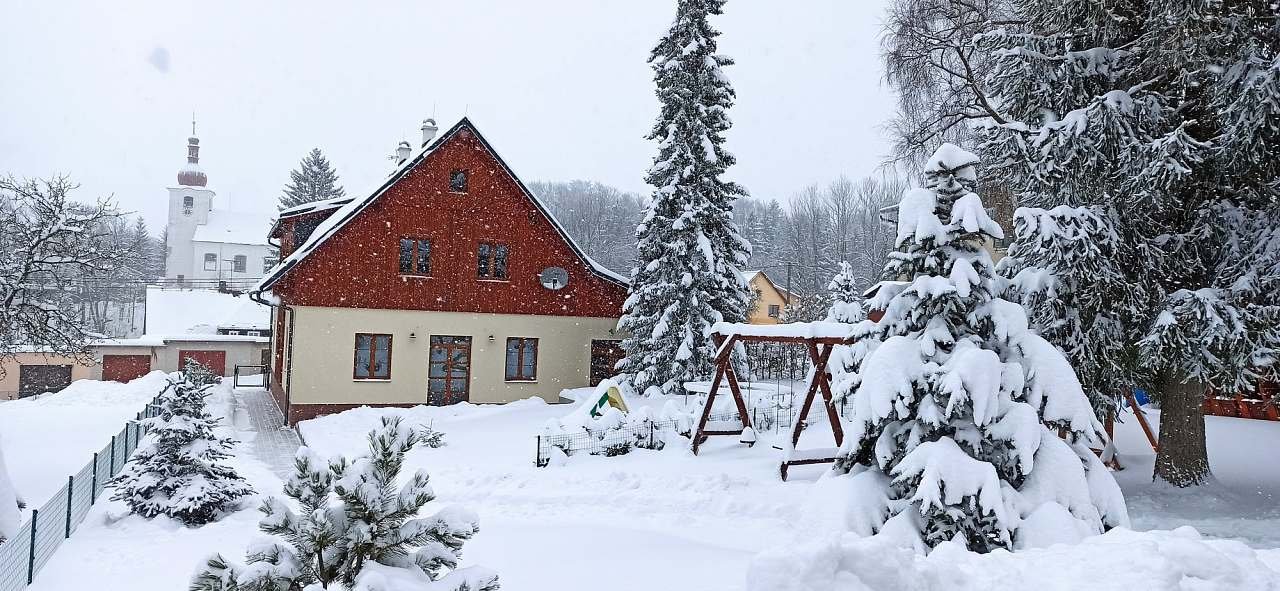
(324, 341)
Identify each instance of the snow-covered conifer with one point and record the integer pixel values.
(178, 469)
(1062, 267)
(1162, 119)
(198, 374)
(356, 528)
(313, 180)
(690, 250)
(954, 433)
(846, 298)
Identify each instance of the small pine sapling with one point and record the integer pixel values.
(355, 528)
(198, 374)
(178, 469)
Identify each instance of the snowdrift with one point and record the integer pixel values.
(1120, 559)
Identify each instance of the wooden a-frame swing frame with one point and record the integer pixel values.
(819, 349)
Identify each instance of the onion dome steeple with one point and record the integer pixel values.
(191, 175)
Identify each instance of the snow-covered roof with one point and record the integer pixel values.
(234, 227)
(316, 206)
(820, 330)
(337, 220)
(749, 276)
(178, 313)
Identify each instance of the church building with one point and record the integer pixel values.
(206, 245)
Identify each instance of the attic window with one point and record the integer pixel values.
(458, 181)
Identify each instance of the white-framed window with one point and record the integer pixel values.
(239, 263)
(267, 264)
(210, 261)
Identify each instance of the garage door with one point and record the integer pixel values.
(214, 360)
(38, 379)
(122, 368)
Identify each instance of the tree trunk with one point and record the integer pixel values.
(1183, 459)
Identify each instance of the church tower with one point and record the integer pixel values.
(189, 205)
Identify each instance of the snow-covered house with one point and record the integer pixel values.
(206, 245)
(449, 282)
(220, 330)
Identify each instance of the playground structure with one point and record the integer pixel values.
(819, 339)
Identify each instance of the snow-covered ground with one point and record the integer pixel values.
(50, 436)
(667, 519)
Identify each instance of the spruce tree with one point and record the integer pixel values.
(354, 524)
(1160, 118)
(313, 180)
(846, 298)
(178, 469)
(966, 426)
(690, 251)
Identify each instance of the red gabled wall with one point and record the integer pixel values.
(358, 266)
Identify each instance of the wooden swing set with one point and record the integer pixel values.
(818, 343)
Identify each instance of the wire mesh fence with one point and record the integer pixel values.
(23, 555)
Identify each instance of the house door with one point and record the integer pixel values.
(449, 374)
(38, 379)
(605, 354)
(216, 361)
(122, 368)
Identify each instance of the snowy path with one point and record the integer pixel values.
(273, 443)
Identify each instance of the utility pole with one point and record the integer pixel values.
(788, 298)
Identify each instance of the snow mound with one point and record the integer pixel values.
(950, 157)
(1121, 560)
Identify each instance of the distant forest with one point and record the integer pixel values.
(813, 231)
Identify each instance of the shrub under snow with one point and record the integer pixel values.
(965, 425)
(354, 526)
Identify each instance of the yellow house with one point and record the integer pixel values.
(771, 300)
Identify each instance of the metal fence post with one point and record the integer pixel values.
(31, 556)
(112, 470)
(71, 487)
(537, 457)
(93, 484)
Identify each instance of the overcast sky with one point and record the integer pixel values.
(560, 87)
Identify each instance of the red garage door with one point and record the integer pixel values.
(214, 360)
(122, 368)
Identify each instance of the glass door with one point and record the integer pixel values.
(449, 372)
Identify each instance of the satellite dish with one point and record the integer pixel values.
(554, 278)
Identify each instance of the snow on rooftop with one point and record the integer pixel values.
(176, 312)
(234, 227)
(316, 206)
(820, 329)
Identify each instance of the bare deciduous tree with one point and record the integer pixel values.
(49, 244)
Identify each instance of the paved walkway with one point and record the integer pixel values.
(276, 444)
